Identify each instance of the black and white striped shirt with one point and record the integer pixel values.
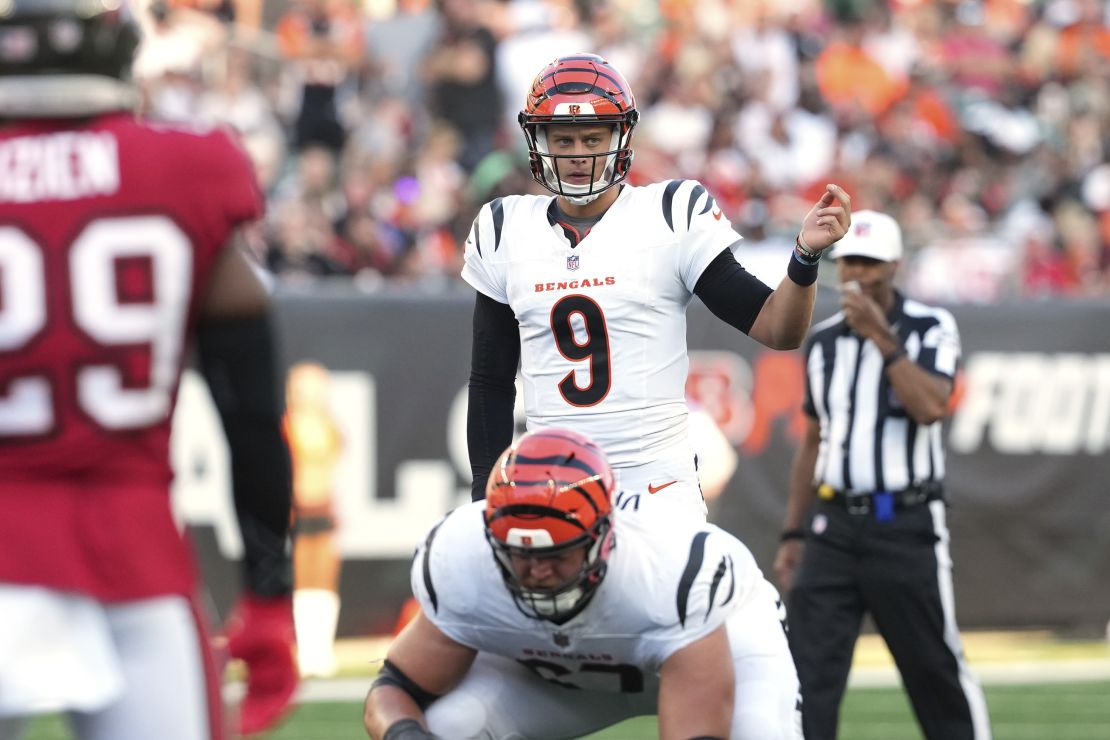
(868, 441)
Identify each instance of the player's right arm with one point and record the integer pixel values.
(239, 362)
(696, 689)
(785, 317)
(422, 664)
(428, 659)
(495, 350)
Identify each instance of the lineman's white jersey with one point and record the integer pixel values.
(668, 584)
(603, 324)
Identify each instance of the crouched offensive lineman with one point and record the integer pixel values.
(547, 613)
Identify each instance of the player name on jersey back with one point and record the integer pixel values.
(59, 166)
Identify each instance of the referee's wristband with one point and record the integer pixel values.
(792, 534)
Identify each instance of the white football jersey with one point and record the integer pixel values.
(603, 324)
(668, 584)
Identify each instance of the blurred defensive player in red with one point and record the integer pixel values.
(117, 249)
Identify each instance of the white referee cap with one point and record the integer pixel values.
(872, 234)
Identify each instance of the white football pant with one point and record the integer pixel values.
(128, 671)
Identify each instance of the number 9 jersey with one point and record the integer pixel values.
(603, 323)
(108, 234)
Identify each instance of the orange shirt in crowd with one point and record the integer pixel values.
(345, 34)
(1079, 41)
(931, 107)
(847, 74)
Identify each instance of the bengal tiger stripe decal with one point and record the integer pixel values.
(696, 193)
(693, 565)
(689, 575)
(723, 568)
(668, 201)
(584, 81)
(498, 211)
(477, 231)
(533, 512)
(551, 479)
(427, 568)
(575, 463)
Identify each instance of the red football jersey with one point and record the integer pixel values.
(108, 233)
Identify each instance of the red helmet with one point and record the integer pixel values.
(579, 89)
(549, 493)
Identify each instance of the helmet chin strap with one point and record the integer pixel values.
(63, 96)
(581, 200)
(562, 603)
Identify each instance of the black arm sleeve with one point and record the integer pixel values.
(238, 360)
(391, 675)
(733, 294)
(493, 362)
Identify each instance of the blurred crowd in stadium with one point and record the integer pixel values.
(379, 126)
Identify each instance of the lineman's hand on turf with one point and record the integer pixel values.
(260, 633)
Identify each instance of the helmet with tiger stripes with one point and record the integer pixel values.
(548, 494)
(579, 89)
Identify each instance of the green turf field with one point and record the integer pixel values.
(1060, 711)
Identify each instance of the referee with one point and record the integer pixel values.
(865, 523)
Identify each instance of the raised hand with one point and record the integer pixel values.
(828, 221)
(862, 314)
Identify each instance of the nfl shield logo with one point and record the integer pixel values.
(572, 262)
(561, 640)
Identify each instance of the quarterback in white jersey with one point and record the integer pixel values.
(583, 617)
(587, 288)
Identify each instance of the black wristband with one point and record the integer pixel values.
(406, 729)
(792, 534)
(893, 357)
(801, 271)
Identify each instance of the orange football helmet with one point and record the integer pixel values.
(547, 494)
(579, 89)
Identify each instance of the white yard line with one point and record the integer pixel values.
(995, 674)
(992, 674)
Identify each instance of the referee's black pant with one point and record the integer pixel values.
(900, 572)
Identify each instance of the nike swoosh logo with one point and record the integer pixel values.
(657, 489)
(717, 215)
